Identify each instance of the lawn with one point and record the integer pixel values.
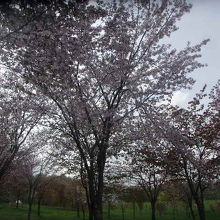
(56, 213)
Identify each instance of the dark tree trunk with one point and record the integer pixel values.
(201, 209)
(190, 204)
(153, 210)
(95, 188)
(38, 206)
(88, 201)
(29, 210)
(18, 199)
(77, 209)
(98, 215)
(134, 210)
(17, 203)
(91, 199)
(199, 200)
(123, 212)
(83, 212)
(197, 194)
(31, 194)
(109, 209)
(174, 213)
(95, 213)
(91, 215)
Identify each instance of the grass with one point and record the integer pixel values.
(56, 213)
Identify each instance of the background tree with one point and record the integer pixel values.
(197, 145)
(19, 114)
(32, 169)
(42, 189)
(15, 188)
(148, 173)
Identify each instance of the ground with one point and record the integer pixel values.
(54, 213)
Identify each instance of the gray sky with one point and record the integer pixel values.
(201, 23)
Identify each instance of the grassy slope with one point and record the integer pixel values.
(53, 213)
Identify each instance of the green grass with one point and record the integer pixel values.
(56, 213)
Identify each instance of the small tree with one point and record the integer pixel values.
(42, 189)
(19, 114)
(196, 145)
(32, 168)
(148, 154)
(151, 178)
(14, 187)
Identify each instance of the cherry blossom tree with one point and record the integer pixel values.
(33, 171)
(195, 139)
(147, 164)
(19, 114)
(98, 68)
(17, 14)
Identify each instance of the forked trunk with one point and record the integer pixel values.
(191, 209)
(95, 188)
(199, 200)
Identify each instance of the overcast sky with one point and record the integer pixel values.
(201, 23)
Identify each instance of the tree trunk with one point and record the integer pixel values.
(95, 188)
(201, 210)
(89, 205)
(95, 213)
(91, 215)
(134, 210)
(109, 209)
(29, 210)
(31, 194)
(153, 210)
(197, 195)
(123, 212)
(38, 207)
(174, 213)
(83, 212)
(199, 199)
(77, 209)
(98, 215)
(98, 212)
(190, 204)
(18, 198)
